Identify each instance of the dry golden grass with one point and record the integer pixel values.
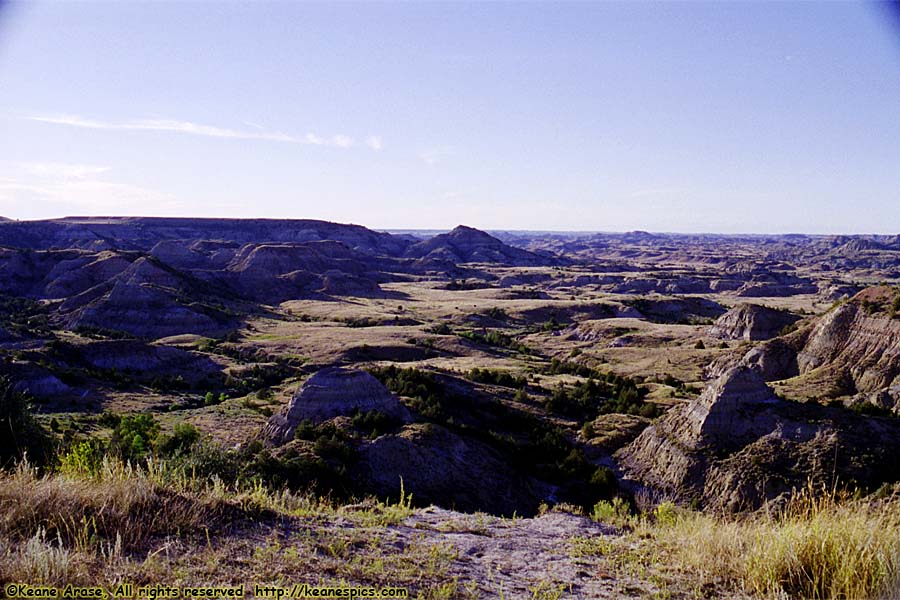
(120, 501)
(156, 524)
(819, 546)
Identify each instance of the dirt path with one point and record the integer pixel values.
(525, 558)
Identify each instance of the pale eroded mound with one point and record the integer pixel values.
(329, 393)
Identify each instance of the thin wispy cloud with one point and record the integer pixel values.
(374, 142)
(651, 192)
(198, 129)
(85, 196)
(433, 156)
(58, 170)
(342, 141)
(63, 188)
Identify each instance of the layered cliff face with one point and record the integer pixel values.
(57, 273)
(144, 358)
(738, 445)
(865, 344)
(330, 393)
(751, 322)
(673, 454)
(148, 300)
(277, 272)
(851, 351)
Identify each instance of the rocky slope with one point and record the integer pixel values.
(57, 273)
(149, 300)
(330, 393)
(430, 462)
(751, 322)
(160, 277)
(275, 272)
(440, 467)
(852, 351)
(198, 287)
(739, 445)
(861, 337)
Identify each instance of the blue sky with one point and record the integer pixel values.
(695, 117)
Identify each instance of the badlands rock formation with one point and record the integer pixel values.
(149, 300)
(738, 445)
(442, 468)
(329, 393)
(855, 347)
(751, 322)
(865, 341)
(467, 245)
(145, 232)
(275, 272)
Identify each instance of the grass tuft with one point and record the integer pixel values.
(821, 546)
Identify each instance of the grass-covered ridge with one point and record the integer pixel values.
(158, 523)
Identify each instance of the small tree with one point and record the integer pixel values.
(184, 436)
(134, 437)
(20, 433)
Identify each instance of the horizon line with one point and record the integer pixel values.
(392, 230)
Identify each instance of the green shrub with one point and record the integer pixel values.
(666, 514)
(552, 325)
(588, 399)
(374, 422)
(109, 419)
(84, 458)
(134, 436)
(496, 377)
(20, 433)
(787, 329)
(428, 396)
(587, 430)
(440, 329)
(497, 313)
(334, 447)
(615, 511)
(182, 439)
(603, 482)
(495, 338)
(871, 410)
(306, 430)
